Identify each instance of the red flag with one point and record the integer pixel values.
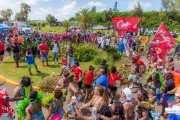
(160, 49)
(123, 25)
(163, 35)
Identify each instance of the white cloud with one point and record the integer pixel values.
(14, 5)
(67, 11)
(97, 4)
(132, 3)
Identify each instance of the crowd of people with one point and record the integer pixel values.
(160, 86)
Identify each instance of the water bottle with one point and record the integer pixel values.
(94, 113)
(71, 109)
(77, 100)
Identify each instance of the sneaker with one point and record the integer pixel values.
(38, 71)
(42, 65)
(53, 62)
(47, 65)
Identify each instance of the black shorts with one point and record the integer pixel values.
(2, 52)
(111, 87)
(79, 84)
(87, 86)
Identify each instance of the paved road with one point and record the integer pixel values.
(10, 90)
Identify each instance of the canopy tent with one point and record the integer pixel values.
(99, 27)
(4, 27)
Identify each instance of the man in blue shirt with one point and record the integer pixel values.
(120, 47)
(103, 79)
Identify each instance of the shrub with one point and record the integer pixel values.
(32, 45)
(48, 83)
(85, 53)
(114, 53)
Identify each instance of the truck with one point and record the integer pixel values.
(22, 26)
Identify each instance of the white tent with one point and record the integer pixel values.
(99, 27)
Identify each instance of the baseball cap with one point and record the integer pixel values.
(64, 61)
(128, 93)
(76, 63)
(137, 56)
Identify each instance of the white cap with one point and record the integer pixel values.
(128, 93)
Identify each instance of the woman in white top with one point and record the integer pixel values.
(107, 42)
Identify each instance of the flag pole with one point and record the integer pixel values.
(157, 30)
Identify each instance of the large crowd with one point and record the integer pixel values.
(100, 88)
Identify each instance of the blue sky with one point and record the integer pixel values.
(63, 9)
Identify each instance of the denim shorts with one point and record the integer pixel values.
(55, 54)
(70, 60)
(44, 56)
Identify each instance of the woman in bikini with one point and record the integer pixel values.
(100, 98)
(31, 108)
(64, 81)
(55, 106)
(153, 83)
(73, 90)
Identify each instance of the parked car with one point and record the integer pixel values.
(175, 35)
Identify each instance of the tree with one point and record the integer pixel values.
(50, 18)
(115, 6)
(85, 17)
(19, 16)
(6, 14)
(9, 13)
(165, 4)
(25, 9)
(66, 24)
(93, 9)
(137, 10)
(71, 19)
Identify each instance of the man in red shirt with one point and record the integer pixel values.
(113, 77)
(88, 82)
(55, 37)
(44, 49)
(78, 73)
(2, 47)
(140, 63)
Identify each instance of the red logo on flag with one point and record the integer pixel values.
(163, 35)
(123, 25)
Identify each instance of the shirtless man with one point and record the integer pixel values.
(129, 105)
(133, 73)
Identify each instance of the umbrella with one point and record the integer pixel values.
(99, 27)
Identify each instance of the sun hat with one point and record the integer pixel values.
(128, 93)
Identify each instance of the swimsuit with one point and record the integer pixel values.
(38, 116)
(57, 110)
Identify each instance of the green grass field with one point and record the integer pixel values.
(8, 70)
(54, 29)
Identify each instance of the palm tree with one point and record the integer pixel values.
(25, 9)
(3, 14)
(9, 13)
(19, 16)
(51, 19)
(66, 24)
(85, 17)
